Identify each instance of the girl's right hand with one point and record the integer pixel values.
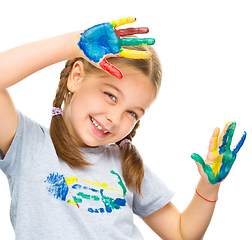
(102, 41)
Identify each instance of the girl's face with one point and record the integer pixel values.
(104, 109)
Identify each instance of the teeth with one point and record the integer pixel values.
(98, 126)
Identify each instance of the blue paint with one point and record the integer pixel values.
(120, 202)
(93, 190)
(76, 186)
(228, 156)
(57, 186)
(98, 41)
(224, 140)
(100, 210)
(239, 145)
(111, 203)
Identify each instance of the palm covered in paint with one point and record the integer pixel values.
(220, 157)
(102, 41)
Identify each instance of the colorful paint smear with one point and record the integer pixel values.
(223, 158)
(63, 188)
(103, 39)
(56, 185)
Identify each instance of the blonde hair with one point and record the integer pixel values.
(132, 163)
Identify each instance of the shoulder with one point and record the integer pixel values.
(28, 123)
(29, 140)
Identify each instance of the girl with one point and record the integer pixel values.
(84, 178)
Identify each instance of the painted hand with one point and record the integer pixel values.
(102, 41)
(220, 158)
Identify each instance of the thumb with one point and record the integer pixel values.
(197, 158)
(204, 169)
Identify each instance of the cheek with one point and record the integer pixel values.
(85, 103)
(126, 128)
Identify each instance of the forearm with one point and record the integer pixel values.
(22, 61)
(197, 216)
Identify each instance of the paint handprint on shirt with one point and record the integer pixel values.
(83, 192)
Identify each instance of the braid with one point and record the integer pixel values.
(61, 137)
(132, 164)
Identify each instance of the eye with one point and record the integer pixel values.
(111, 96)
(133, 114)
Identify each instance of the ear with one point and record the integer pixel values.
(75, 77)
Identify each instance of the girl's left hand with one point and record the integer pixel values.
(219, 158)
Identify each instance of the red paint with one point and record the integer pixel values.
(131, 31)
(105, 65)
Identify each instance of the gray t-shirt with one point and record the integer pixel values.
(50, 200)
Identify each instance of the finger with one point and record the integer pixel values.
(131, 31)
(136, 41)
(217, 164)
(231, 133)
(134, 54)
(214, 141)
(196, 157)
(224, 139)
(206, 168)
(122, 21)
(105, 65)
(239, 144)
(223, 133)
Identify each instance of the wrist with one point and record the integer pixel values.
(73, 48)
(207, 191)
(208, 185)
(76, 49)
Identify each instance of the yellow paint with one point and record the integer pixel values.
(102, 185)
(216, 157)
(122, 21)
(134, 54)
(217, 164)
(96, 184)
(69, 201)
(71, 180)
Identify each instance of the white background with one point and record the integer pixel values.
(206, 51)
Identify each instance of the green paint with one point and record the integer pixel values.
(88, 197)
(136, 41)
(228, 157)
(120, 182)
(77, 199)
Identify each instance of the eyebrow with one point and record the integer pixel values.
(120, 92)
(113, 86)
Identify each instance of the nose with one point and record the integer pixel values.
(114, 116)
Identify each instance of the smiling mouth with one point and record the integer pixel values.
(100, 128)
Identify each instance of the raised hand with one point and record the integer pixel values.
(220, 158)
(102, 41)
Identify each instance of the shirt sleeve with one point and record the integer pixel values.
(25, 146)
(155, 192)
